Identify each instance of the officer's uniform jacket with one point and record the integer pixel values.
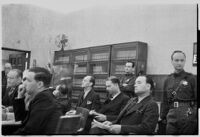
(179, 87)
(130, 80)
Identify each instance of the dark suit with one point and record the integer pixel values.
(3, 82)
(65, 103)
(91, 101)
(42, 117)
(9, 98)
(111, 108)
(136, 118)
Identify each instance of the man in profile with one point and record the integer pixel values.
(114, 104)
(139, 116)
(43, 110)
(89, 98)
(127, 81)
(14, 79)
(7, 68)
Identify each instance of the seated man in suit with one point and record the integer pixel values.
(88, 99)
(14, 79)
(43, 110)
(113, 105)
(7, 68)
(139, 116)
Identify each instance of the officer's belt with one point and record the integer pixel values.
(177, 104)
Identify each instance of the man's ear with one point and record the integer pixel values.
(40, 84)
(149, 86)
(91, 84)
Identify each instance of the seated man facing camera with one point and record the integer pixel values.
(43, 111)
(139, 116)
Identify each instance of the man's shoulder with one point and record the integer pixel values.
(189, 74)
(170, 75)
(124, 96)
(45, 95)
(93, 94)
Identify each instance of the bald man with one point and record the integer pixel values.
(14, 79)
(7, 68)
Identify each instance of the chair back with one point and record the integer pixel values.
(84, 112)
(68, 124)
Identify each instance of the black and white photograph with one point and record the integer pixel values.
(89, 67)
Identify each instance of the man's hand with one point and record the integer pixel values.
(100, 125)
(9, 109)
(100, 117)
(124, 85)
(21, 91)
(107, 123)
(92, 112)
(71, 112)
(115, 129)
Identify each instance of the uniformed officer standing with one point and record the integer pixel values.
(179, 99)
(127, 81)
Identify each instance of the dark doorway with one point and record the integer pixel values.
(20, 59)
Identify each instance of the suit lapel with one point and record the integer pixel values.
(80, 101)
(130, 102)
(135, 107)
(110, 103)
(88, 96)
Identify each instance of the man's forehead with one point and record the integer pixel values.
(141, 78)
(179, 54)
(87, 78)
(29, 74)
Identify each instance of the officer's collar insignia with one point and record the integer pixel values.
(184, 82)
(127, 80)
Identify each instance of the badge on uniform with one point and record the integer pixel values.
(184, 82)
(127, 80)
(89, 102)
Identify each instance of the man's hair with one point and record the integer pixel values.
(41, 74)
(177, 51)
(66, 87)
(92, 80)
(114, 80)
(19, 73)
(133, 63)
(149, 80)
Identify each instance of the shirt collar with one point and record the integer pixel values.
(179, 74)
(115, 96)
(86, 93)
